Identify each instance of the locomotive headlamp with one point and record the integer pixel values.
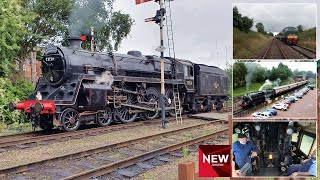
(270, 156)
(38, 107)
(11, 106)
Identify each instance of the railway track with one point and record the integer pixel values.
(105, 159)
(27, 140)
(274, 49)
(306, 52)
(237, 112)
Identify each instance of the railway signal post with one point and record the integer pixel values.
(158, 19)
(163, 112)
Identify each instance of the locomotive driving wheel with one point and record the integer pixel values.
(104, 118)
(152, 96)
(70, 120)
(123, 112)
(170, 102)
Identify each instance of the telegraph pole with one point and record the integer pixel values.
(163, 112)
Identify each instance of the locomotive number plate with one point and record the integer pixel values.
(189, 83)
(48, 59)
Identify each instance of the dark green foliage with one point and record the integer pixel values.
(260, 28)
(239, 74)
(229, 74)
(12, 19)
(10, 93)
(51, 21)
(300, 28)
(244, 23)
(251, 73)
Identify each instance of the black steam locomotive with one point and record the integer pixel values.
(253, 99)
(81, 86)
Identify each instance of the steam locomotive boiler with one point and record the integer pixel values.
(81, 86)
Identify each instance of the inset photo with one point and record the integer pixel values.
(274, 90)
(274, 149)
(274, 30)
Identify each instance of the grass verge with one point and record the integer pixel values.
(245, 45)
(243, 90)
(308, 39)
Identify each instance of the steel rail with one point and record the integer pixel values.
(28, 166)
(37, 139)
(138, 158)
(265, 54)
(282, 52)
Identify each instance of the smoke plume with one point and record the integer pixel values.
(250, 69)
(106, 78)
(87, 13)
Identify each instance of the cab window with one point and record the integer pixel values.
(188, 71)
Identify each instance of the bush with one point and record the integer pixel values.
(12, 92)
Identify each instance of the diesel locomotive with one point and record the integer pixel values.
(253, 99)
(289, 35)
(79, 86)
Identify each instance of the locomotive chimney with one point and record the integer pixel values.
(75, 42)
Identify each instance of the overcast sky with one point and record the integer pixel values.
(302, 66)
(277, 16)
(201, 29)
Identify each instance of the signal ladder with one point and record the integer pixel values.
(176, 99)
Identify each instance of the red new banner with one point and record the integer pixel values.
(214, 161)
(142, 1)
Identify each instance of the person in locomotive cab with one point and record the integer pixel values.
(306, 168)
(243, 151)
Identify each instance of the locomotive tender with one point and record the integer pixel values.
(289, 35)
(253, 99)
(80, 86)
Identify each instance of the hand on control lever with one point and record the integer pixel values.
(253, 154)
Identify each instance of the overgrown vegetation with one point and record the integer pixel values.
(10, 93)
(245, 45)
(307, 38)
(245, 41)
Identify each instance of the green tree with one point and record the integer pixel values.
(239, 75)
(228, 71)
(300, 28)
(260, 28)
(270, 34)
(110, 26)
(247, 23)
(237, 18)
(259, 74)
(12, 19)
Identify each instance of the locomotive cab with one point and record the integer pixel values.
(188, 77)
(280, 145)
